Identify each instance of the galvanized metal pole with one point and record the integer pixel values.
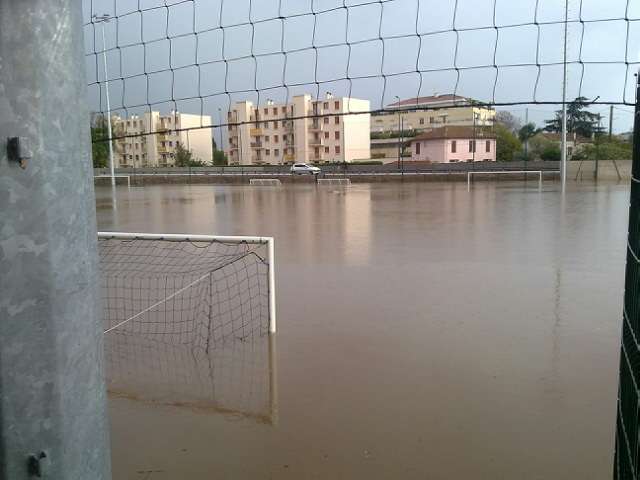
(53, 420)
(563, 166)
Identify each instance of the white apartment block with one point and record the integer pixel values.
(159, 150)
(268, 134)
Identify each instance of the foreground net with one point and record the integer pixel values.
(627, 427)
(203, 56)
(187, 322)
(178, 291)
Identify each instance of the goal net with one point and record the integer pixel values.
(186, 320)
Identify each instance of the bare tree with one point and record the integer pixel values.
(509, 120)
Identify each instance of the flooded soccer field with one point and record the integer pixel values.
(424, 331)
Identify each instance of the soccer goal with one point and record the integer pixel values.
(187, 320)
(187, 289)
(265, 182)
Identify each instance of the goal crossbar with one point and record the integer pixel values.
(230, 239)
(503, 172)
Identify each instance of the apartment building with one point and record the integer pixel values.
(425, 113)
(159, 150)
(304, 130)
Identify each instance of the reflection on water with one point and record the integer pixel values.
(235, 378)
(424, 332)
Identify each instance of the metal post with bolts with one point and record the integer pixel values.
(53, 421)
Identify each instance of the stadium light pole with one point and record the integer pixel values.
(220, 123)
(399, 127)
(563, 157)
(102, 19)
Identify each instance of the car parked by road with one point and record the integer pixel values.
(304, 169)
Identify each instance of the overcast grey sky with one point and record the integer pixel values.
(165, 54)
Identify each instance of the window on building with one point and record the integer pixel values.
(417, 148)
(171, 144)
(454, 146)
(325, 105)
(276, 152)
(275, 124)
(326, 134)
(267, 152)
(472, 146)
(326, 149)
(488, 146)
(422, 121)
(337, 135)
(337, 148)
(137, 157)
(337, 121)
(316, 151)
(337, 104)
(284, 110)
(130, 157)
(275, 138)
(266, 138)
(266, 111)
(275, 111)
(432, 120)
(162, 144)
(326, 120)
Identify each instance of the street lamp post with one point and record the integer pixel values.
(399, 133)
(102, 19)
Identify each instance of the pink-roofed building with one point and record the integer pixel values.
(454, 144)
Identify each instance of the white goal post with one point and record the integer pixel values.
(142, 262)
(128, 177)
(503, 172)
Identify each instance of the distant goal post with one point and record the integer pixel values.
(470, 174)
(187, 289)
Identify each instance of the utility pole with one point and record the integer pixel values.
(399, 132)
(610, 122)
(474, 135)
(563, 160)
(53, 400)
(102, 19)
(220, 123)
(526, 140)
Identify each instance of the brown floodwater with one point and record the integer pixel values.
(424, 331)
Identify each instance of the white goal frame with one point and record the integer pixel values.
(268, 241)
(503, 172)
(128, 177)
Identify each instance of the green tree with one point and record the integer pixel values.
(579, 120)
(526, 133)
(184, 157)
(551, 153)
(507, 144)
(219, 158)
(99, 142)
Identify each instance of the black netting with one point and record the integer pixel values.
(202, 56)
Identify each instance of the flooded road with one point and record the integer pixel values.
(424, 331)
